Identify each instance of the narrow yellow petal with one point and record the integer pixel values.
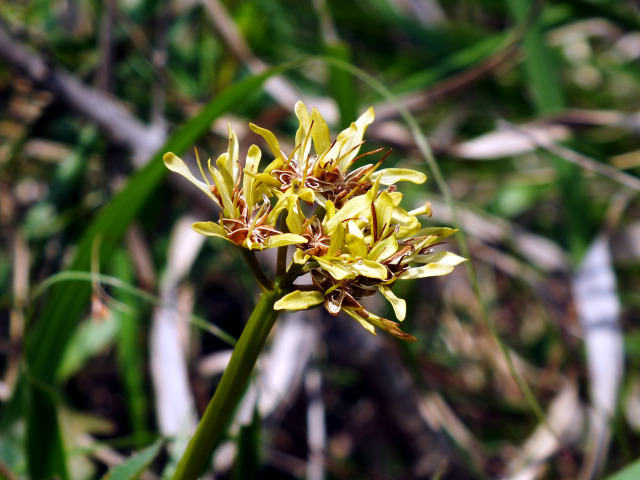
(384, 212)
(398, 304)
(321, 135)
(337, 240)
(429, 270)
(303, 135)
(438, 233)
(295, 218)
(233, 152)
(225, 192)
(176, 164)
(248, 182)
(299, 257)
(299, 300)
(389, 176)
(355, 242)
(362, 321)
(445, 258)
(224, 168)
(369, 268)
(270, 138)
(284, 239)
(211, 229)
(335, 268)
(390, 327)
(264, 178)
(350, 148)
(351, 209)
(384, 249)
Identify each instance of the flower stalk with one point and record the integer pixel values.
(359, 241)
(231, 387)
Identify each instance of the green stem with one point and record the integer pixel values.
(256, 270)
(231, 387)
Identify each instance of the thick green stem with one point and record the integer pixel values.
(231, 387)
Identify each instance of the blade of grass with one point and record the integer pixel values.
(542, 77)
(341, 84)
(135, 465)
(90, 277)
(129, 355)
(47, 339)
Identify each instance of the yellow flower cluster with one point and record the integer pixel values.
(361, 243)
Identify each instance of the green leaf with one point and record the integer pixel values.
(130, 357)
(342, 84)
(136, 465)
(87, 341)
(631, 472)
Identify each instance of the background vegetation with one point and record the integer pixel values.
(116, 319)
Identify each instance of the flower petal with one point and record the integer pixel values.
(299, 257)
(369, 269)
(282, 239)
(438, 233)
(302, 135)
(248, 182)
(429, 270)
(382, 323)
(232, 150)
(389, 176)
(384, 249)
(350, 148)
(210, 229)
(398, 304)
(224, 189)
(320, 133)
(295, 218)
(384, 209)
(336, 241)
(445, 258)
(355, 241)
(176, 164)
(299, 300)
(337, 269)
(362, 321)
(351, 209)
(270, 138)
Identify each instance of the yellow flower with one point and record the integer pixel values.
(374, 250)
(361, 244)
(246, 217)
(325, 172)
